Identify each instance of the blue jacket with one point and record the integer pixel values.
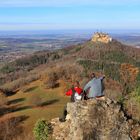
(95, 87)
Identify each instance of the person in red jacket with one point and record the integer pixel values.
(76, 94)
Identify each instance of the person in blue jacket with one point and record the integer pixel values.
(95, 87)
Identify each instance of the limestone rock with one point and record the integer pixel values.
(93, 120)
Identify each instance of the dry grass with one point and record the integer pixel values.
(53, 102)
(3, 100)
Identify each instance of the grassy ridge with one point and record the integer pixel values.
(53, 103)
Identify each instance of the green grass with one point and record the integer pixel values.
(54, 102)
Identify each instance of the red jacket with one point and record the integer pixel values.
(77, 89)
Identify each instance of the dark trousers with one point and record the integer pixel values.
(64, 113)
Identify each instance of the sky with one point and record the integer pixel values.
(69, 14)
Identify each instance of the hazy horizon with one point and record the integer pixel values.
(74, 31)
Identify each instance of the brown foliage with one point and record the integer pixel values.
(69, 72)
(11, 128)
(52, 80)
(133, 108)
(3, 99)
(10, 88)
(63, 72)
(128, 74)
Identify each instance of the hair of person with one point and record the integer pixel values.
(77, 83)
(92, 75)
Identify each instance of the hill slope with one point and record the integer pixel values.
(48, 75)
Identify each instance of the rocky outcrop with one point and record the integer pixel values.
(94, 120)
(101, 37)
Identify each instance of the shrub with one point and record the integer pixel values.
(67, 72)
(3, 99)
(78, 48)
(138, 79)
(42, 130)
(52, 80)
(11, 128)
(55, 56)
(136, 94)
(53, 75)
(132, 104)
(128, 75)
(7, 68)
(11, 87)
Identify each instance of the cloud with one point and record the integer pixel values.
(59, 3)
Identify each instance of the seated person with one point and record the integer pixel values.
(95, 88)
(75, 92)
(76, 95)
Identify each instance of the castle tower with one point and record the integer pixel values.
(101, 37)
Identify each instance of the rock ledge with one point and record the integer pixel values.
(93, 120)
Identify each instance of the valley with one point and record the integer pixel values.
(17, 46)
(14, 46)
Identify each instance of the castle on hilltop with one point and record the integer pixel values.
(101, 37)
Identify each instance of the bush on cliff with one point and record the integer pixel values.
(42, 130)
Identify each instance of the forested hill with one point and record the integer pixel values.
(92, 56)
